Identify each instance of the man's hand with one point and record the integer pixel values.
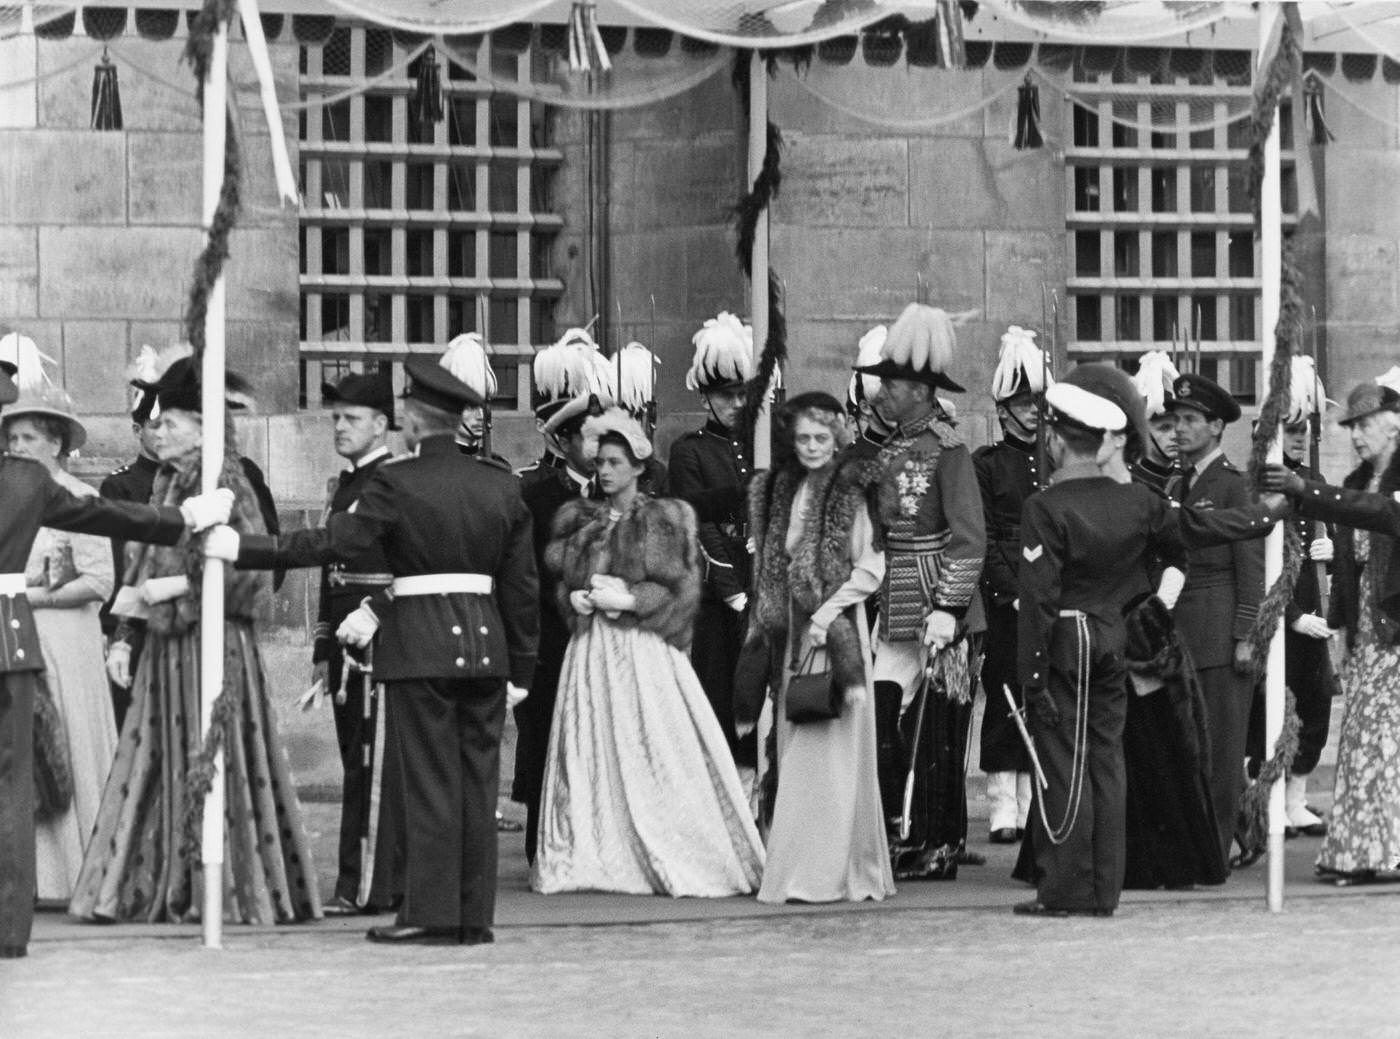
(1244, 658)
(515, 695)
(358, 628)
(939, 630)
(1042, 705)
(222, 543)
(1321, 550)
(1313, 626)
(738, 603)
(119, 664)
(207, 510)
(581, 601)
(1280, 478)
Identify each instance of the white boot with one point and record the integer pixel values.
(1023, 799)
(1001, 793)
(1295, 804)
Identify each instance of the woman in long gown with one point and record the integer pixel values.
(1363, 833)
(640, 794)
(68, 576)
(143, 861)
(817, 565)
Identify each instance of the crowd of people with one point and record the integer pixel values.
(725, 682)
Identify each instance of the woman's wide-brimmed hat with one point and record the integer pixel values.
(54, 402)
(1367, 399)
(616, 420)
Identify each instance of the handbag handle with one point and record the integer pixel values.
(805, 668)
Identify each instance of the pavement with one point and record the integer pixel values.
(936, 959)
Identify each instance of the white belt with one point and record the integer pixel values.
(12, 584)
(1073, 613)
(444, 584)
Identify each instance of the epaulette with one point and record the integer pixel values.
(946, 433)
(119, 470)
(393, 459)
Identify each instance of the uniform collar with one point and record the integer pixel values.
(1024, 446)
(714, 429)
(145, 462)
(369, 458)
(908, 431)
(438, 444)
(1077, 471)
(1156, 468)
(1209, 460)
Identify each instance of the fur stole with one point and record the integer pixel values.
(247, 593)
(652, 547)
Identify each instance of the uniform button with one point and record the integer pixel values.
(485, 630)
(14, 623)
(485, 661)
(461, 661)
(456, 629)
(19, 654)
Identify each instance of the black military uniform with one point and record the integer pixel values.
(29, 499)
(710, 459)
(462, 621)
(344, 585)
(547, 467)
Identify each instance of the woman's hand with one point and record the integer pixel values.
(1280, 478)
(582, 602)
(816, 634)
(612, 600)
(119, 664)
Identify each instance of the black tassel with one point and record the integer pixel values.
(427, 91)
(1321, 132)
(106, 97)
(1028, 116)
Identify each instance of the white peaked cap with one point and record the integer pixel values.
(1088, 409)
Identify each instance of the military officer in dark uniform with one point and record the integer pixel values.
(1008, 472)
(571, 368)
(714, 458)
(457, 638)
(29, 499)
(1156, 467)
(1224, 586)
(362, 408)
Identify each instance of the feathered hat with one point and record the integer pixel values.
(22, 366)
(569, 377)
(616, 420)
(634, 378)
(723, 355)
(1391, 379)
(468, 358)
(864, 387)
(1156, 375)
(1305, 391)
(919, 348)
(177, 382)
(37, 393)
(142, 372)
(1022, 367)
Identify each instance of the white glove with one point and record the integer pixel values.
(206, 510)
(358, 627)
(738, 603)
(1169, 588)
(752, 546)
(222, 543)
(130, 603)
(1313, 626)
(119, 664)
(163, 589)
(855, 696)
(581, 601)
(816, 635)
(940, 629)
(1320, 551)
(515, 695)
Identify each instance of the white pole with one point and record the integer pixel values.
(1271, 270)
(211, 629)
(758, 295)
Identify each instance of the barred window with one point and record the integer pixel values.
(412, 233)
(1159, 219)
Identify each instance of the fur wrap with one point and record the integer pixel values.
(652, 547)
(53, 767)
(821, 563)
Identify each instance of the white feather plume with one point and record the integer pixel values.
(1390, 379)
(922, 338)
(1305, 392)
(1154, 379)
(1021, 365)
(571, 367)
(468, 358)
(868, 352)
(31, 371)
(638, 371)
(723, 352)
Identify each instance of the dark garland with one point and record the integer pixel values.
(1276, 82)
(210, 264)
(199, 778)
(1253, 827)
(765, 188)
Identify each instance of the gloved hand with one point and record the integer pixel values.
(130, 603)
(940, 629)
(610, 595)
(119, 664)
(515, 695)
(163, 589)
(358, 628)
(1281, 478)
(816, 634)
(1321, 550)
(581, 601)
(738, 603)
(1313, 626)
(1170, 586)
(1244, 658)
(207, 510)
(1042, 705)
(222, 543)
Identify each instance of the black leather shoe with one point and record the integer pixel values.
(1005, 835)
(342, 906)
(1036, 908)
(400, 934)
(477, 936)
(13, 952)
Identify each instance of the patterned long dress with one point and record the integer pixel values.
(1363, 834)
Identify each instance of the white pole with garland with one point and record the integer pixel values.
(758, 284)
(211, 610)
(1271, 271)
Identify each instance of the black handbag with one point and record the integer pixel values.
(813, 696)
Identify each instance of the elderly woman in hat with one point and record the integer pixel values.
(142, 862)
(1363, 836)
(69, 576)
(640, 793)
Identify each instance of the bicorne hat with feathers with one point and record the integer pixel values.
(1156, 375)
(919, 348)
(1022, 367)
(723, 354)
(571, 378)
(176, 383)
